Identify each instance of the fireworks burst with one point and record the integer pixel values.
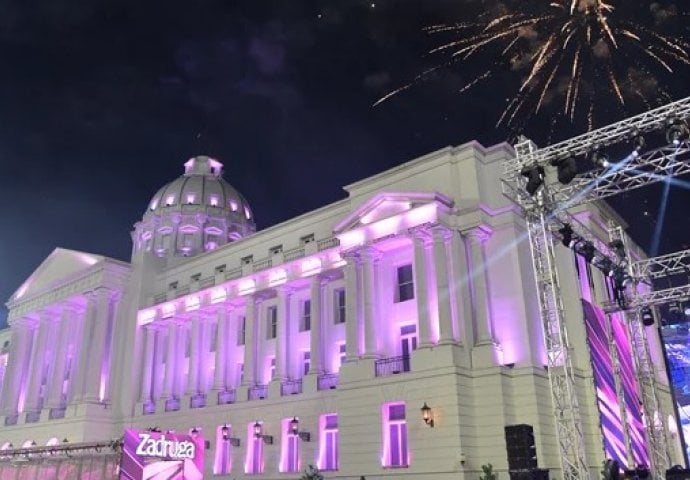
(571, 50)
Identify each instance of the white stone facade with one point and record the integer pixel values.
(415, 289)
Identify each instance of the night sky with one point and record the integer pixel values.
(102, 101)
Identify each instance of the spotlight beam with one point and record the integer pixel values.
(660, 217)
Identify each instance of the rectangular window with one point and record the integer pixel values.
(241, 330)
(342, 353)
(394, 435)
(405, 290)
(254, 463)
(240, 373)
(306, 362)
(222, 462)
(272, 369)
(305, 318)
(271, 322)
(339, 302)
(328, 458)
(290, 448)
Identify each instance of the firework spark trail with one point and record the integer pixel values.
(580, 50)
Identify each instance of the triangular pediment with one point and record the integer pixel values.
(60, 264)
(388, 204)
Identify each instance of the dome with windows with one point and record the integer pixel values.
(194, 213)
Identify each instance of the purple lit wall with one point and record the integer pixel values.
(609, 411)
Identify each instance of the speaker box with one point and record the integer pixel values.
(532, 474)
(678, 473)
(522, 453)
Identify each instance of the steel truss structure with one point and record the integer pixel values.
(546, 211)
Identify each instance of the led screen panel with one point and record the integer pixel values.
(162, 456)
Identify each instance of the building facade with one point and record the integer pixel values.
(317, 341)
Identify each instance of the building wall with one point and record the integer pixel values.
(479, 361)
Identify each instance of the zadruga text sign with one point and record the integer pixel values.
(155, 455)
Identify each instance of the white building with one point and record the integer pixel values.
(415, 289)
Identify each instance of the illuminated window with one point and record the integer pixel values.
(271, 322)
(405, 290)
(305, 318)
(339, 302)
(342, 348)
(190, 198)
(306, 362)
(394, 435)
(170, 200)
(241, 330)
(222, 463)
(272, 368)
(213, 200)
(247, 213)
(289, 448)
(328, 443)
(254, 463)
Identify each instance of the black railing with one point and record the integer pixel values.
(291, 387)
(33, 417)
(258, 392)
(226, 397)
(57, 413)
(392, 366)
(197, 401)
(327, 381)
(172, 404)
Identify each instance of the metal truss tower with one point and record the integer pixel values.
(546, 209)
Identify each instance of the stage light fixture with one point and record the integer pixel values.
(647, 316)
(566, 231)
(599, 157)
(638, 142)
(602, 263)
(586, 249)
(535, 178)
(687, 311)
(566, 169)
(611, 470)
(676, 131)
(619, 247)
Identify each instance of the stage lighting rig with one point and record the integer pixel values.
(599, 157)
(535, 178)
(677, 131)
(566, 232)
(586, 249)
(647, 316)
(566, 169)
(638, 142)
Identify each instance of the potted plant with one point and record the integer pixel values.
(311, 473)
(488, 472)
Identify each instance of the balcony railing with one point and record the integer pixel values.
(258, 392)
(57, 413)
(291, 387)
(226, 397)
(392, 366)
(172, 404)
(197, 401)
(33, 417)
(148, 408)
(327, 381)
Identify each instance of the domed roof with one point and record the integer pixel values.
(202, 185)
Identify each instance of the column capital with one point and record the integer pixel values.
(370, 254)
(351, 255)
(441, 233)
(479, 234)
(284, 290)
(420, 234)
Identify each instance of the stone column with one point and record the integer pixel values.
(316, 334)
(422, 242)
(182, 332)
(33, 401)
(249, 342)
(370, 260)
(352, 320)
(193, 378)
(221, 359)
(205, 353)
(17, 365)
(283, 334)
(479, 283)
(82, 344)
(147, 372)
(93, 384)
(170, 361)
(441, 241)
(55, 397)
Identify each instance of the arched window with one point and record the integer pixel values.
(52, 442)
(222, 464)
